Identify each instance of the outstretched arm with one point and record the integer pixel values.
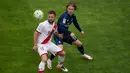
(77, 25)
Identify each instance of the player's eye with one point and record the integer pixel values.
(72, 8)
(50, 17)
(69, 8)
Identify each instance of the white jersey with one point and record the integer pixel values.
(46, 30)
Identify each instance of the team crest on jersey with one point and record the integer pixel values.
(59, 41)
(64, 21)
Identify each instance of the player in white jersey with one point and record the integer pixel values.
(43, 44)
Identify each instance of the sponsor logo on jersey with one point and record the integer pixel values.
(64, 21)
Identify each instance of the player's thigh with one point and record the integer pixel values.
(61, 46)
(68, 39)
(42, 49)
(77, 43)
(63, 53)
(54, 49)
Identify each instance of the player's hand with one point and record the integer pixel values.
(60, 36)
(34, 47)
(73, 35)
(82, 33)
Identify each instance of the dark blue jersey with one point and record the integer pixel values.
(64, 22)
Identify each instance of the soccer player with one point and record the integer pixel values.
(63, 24)
(43, 44)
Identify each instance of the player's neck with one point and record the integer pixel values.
(69, 14)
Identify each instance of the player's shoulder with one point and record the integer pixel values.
(65, 14)
(74, 15)
(44, 23)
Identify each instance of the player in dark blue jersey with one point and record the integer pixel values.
(63, 24)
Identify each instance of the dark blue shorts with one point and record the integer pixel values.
(66, 38)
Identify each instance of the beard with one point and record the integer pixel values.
(51, 22)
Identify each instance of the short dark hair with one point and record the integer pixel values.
(71, 4)
(52, 12)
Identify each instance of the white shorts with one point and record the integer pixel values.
(49, 47)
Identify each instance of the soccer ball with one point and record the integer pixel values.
(38, 14)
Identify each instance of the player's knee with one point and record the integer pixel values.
(79, 44)
(44, 59)
(63, 53)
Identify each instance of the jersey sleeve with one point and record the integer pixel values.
(56, 30)
(39, 28)
(76, 24)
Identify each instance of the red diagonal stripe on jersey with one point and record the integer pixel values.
(48, 37)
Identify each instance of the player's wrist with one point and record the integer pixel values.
(35, 44)
(71, 34)
(82, 31)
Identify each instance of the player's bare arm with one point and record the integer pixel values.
(36, 34)
(82, 33)
(59, 35)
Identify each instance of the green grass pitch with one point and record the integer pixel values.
(106, 24)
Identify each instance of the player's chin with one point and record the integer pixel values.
(70, 14)
(50, 21)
